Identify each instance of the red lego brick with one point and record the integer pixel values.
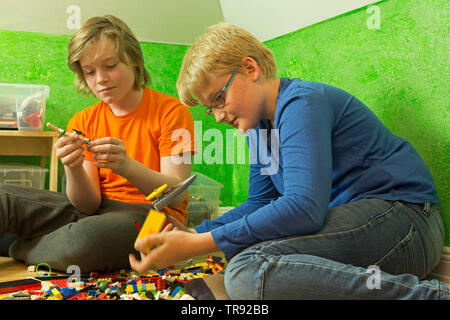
(161, 284)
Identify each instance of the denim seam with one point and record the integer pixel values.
(406, 238)
(261, 283)
(438, 253)
(439, 223)
(427, 229)
(425, 217)
(264, 268)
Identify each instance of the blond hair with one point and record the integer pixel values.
(220, 51)
(126, 45)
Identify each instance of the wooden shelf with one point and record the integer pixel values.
(32, 143)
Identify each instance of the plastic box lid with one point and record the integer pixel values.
(5, 168)
(23, 89)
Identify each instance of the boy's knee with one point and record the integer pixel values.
(243, 276)
(100, 249)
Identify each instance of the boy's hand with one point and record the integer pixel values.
(110, 153)
(168, 248)
(69, 149)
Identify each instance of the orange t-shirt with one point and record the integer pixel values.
(149, 132)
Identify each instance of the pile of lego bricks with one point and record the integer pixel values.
(165, 284)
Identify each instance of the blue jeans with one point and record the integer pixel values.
(367, 249)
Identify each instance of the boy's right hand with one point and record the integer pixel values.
(69, 149)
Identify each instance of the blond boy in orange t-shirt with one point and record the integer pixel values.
(137, 135)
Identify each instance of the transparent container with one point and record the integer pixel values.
(204, 194)
(207, 188)
(29, 176)
(201, 210)
(22, 106)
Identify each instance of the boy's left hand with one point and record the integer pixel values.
(167, 248)
(110, 153)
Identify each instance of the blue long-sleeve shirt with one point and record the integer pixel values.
(327, 149)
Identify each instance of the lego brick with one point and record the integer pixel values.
(153, 223)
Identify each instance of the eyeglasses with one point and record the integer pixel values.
(218, 102)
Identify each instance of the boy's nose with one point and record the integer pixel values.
(101, 77)
(219, 115)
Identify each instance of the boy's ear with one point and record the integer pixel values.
(251, 68)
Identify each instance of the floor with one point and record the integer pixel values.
(11, 269)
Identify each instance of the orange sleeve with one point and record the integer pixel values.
(177, 131)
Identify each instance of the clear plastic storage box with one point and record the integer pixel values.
(204, 194)
(30, 176)
(22, 106)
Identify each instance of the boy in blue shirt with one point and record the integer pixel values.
(341, 198)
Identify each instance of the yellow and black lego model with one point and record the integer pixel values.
(156, 219)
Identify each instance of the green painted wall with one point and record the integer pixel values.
(399, 71)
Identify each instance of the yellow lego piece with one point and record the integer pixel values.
(153, 224)
(139, 287)
(129, 289)
(157, 192)
(144, 297)
(56, 295)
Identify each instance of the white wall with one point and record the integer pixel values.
(173, 21)
(167, 21)
(268, 19)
